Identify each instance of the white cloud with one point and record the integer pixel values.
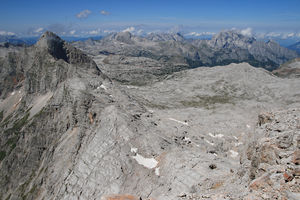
(287, 35)
(193, 34)
(6, 33)
(108, 31)
(83, 14)
(129, 29)
(278, 35)
(72, 32)
(39, 30)
(140, 32)
(94, 32)
(273, 34)
(104, 12)
(200, 34)
(247, 32)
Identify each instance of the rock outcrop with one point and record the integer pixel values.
(274, 157)
(289, 69)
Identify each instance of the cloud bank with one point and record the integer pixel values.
(6, 33)
(104, 12)
(83, 14)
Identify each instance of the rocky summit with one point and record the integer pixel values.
(130, 117)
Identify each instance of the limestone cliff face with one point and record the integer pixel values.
(44, 96)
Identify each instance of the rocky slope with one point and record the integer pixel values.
(69, 132)
(295, 47)
(289, 69)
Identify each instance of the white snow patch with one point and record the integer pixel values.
(248, 126)
(175, 120)
(13, 93)
(233, 153)
(216, 136)
(235, 137)
(103, 87)
(20, 92)
(209, 142)
(134, 150)
(150, 163)
(187, 139)
(131, 87)
(238, 144)
(157, 171)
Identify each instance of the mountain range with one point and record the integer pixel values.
(224, 48)
(133, 118)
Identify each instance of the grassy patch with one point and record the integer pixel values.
(1, 115)
(2, 155)
(157, 106)
(17, 126)
(12, 142)
(207, 101)
(6, 120)
(8, 197)
(22, 188)
(31, 192)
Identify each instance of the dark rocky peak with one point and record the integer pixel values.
(60, 49)
(231, 38)
(54, 45)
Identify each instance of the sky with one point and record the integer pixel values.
(273, 18)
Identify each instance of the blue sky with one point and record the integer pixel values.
(84, 17)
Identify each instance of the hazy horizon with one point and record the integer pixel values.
(262, 19)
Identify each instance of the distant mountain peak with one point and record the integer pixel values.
(231, 38)
(125, 37)
(165, 37)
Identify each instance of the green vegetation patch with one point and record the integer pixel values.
(207, 101)
(2, 155)
(12, 142)
(6, 120)
(1, 115)
(157, 106)
(17, 126)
